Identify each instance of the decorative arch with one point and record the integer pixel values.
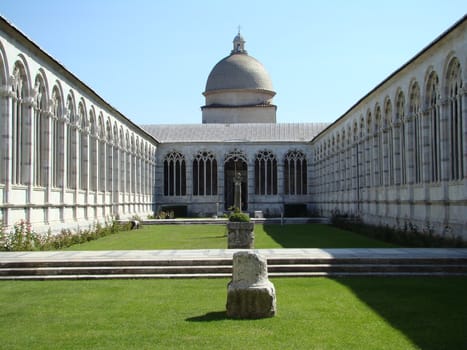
(295, 173)
(265, 173)
(20, 124)
(108, 154)
(204, 174)
(41, 131)
(121, 147)
(433, 121)
(416, 138)
(174, 174)
(71, 141)
(235, 162)
(400, 139)
(93, 133)
(3, 121)
(83, 145)
(456, 123)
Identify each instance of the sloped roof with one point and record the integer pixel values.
(257, 132)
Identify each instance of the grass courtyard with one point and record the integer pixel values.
(313, 313)
(214, 237)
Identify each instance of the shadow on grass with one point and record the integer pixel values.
(210, 237)
(209, 317)
(431, 312)
(319, 236)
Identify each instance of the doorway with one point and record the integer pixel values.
(233, 166)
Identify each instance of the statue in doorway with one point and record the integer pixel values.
(238, 191)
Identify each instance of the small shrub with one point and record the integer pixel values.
(407, 235)
(237, 216)
(23, 237)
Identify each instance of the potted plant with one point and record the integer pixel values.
(240, 233)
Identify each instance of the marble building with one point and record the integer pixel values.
(68, 159)
(398, 155)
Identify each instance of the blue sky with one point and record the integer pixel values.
(150, 58)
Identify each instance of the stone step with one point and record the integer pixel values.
(182, 271)
(193, 269)
(228, 262)
(229, 275)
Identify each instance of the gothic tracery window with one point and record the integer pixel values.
(101, 153)
(417, 134)
(109, 155)
(389, 144)
(92, 151)
(433, 122)
(295, 173)
(204, 174)
(265, 173)
(58, 138)
(41, 134)
(83, 147)
(122, 160)
(401, 175)
(455, 120)
(71, 143)
(174, 174)
(20, 129)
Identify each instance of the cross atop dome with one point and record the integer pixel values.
(238, 44)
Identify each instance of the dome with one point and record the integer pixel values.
(239, 71)
(239, 90)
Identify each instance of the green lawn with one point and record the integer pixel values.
(313, 313)
(214, 237)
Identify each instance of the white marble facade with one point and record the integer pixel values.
(68, 159)
(399, 155)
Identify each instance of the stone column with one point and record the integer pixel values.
(250, 294)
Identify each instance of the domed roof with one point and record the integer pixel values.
(239, 71)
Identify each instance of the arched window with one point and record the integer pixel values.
(92, 151)
(400, 152)
(389, 143)
(128, 166)
(265, 173)
(109, 155)
(132, 163)
(41, 134)
(58, 138)
(71, 142)
(204, 174)
(455, 120)
(122, 160)
(295, 173)
(115, 160)
(417, 133)
(378, 148)
(137, 166)
(434, 129)
(368, 150)
(174, 174)
(83, 147)
(101, 154)
(20, 126)
(3, 124)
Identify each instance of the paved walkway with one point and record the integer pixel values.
(198, 254)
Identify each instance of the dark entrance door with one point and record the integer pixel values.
(231, 167)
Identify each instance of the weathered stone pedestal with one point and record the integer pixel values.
(250, 294)
(240, 235)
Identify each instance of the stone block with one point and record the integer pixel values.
(250, 294)
(240, 235)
